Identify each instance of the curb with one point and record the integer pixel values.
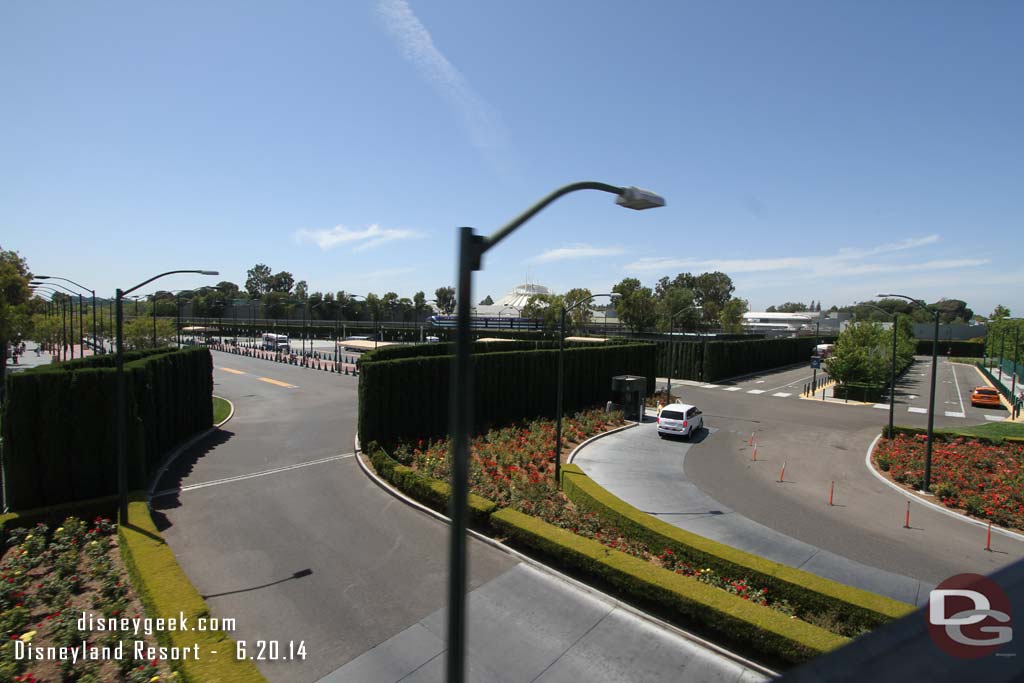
(940, 508)
(554, 573)
(173, 455)
(572, 456)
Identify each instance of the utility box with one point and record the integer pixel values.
(628, 393)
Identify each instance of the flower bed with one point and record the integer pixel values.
(514, 467)
(983, 478)
(47, 581)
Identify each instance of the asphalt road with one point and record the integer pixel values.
(278, 528)
(821, 442)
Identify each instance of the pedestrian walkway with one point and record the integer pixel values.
(635, 466)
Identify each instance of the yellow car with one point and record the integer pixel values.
(985, 397)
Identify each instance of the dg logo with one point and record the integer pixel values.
(969, 616)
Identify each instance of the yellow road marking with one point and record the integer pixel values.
(275, 382)
(233, 372)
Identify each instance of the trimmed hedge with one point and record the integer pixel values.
(448, 349)
(433, 493)
(857, 391)
(165, 591)
(685, 359)
(859, 608)
(59, 422)
(733, 358)
(964, 349)
(764, 629)
(409, 398)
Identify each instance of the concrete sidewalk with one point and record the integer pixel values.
(648, 473)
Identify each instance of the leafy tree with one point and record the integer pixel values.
(771, 309)
(679, 302)
(487, 301)
(228, 290)
(14, 293)
(301, 289)
(863, 354)
(792, 307)
(580, 316)
(731, 316)
(281, 282)
(138, 332)
(545, 308)
(713, 291)
(419, 304)
(257, 282)
(445, 299)
(636, 305)
(276, 305)
(1000, 312)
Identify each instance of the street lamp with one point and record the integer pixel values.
(62, 348)
(671, 355)
(91, 291)
(376, 318)
(472, 248)
(892, 381)
(71, 308)
(561, 375)
(122, 436)
(931, 397)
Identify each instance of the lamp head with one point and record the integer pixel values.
(639, 199)
(209, 272)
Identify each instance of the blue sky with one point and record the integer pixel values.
(812, 150)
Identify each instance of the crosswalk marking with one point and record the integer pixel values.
(953, 413)
(881, 406)
(994, 418)
(732, 388)
(918, 410)
(710, 386)
(756, 391)
(782, 395)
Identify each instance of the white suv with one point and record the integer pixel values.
(679, 419)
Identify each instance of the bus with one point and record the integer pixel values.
(275, 342)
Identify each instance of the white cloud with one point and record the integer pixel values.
(418, 47)
(372, 236)
(725, 265)
(576, 251)
(911, 243)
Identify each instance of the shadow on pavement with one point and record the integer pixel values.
(176, 474)
(301, 574)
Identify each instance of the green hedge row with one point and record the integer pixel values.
(433, 493)
(763, 629)
(409, 397)
(856, 391)
(859, 608)
(962, 349)
(59, 423)
(447, 349)
(732, 358)
(684, 359)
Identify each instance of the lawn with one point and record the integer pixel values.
(221, 410)
(992, 430)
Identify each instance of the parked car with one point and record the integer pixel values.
(679, 419)
(986, 397)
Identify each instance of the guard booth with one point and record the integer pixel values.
(628, 393)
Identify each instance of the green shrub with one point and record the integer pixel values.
(861, 609)
(761, 628)
(508, 386)
(59, 422)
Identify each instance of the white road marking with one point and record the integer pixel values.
(760, 381)
(710, 386)
(994, 418)
(951, 413)
(881, 406)
(912, 396)
(958, 395)
(782, 395)
(242, 477)
(918, 410)
(732, 388)
(756, 391)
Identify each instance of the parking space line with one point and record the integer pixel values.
(994, 418)
(277, 383)
(950, 413)
(923, 411)
(232, 371)
(756, 391)
(710, 386)
(881, 406)
(958, 395)
(732, 388)
(782, 395)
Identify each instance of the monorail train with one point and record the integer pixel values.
(491, 322)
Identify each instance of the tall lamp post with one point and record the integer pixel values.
(62, 300)
(91, 291)
(671, 357)
(472, 248)
(376, 318)
(71, 316)
(561, 382)
(931, 397)
(892, 380)
(122, 436)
